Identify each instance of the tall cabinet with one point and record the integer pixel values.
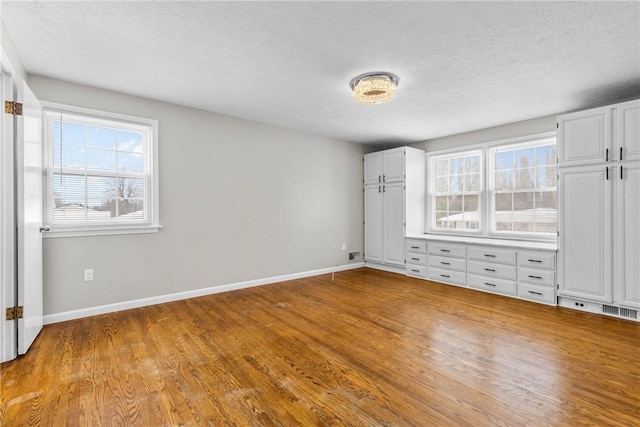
(599, 209)
(394, 203)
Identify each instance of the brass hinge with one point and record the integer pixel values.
(14, 313)
(14, 108)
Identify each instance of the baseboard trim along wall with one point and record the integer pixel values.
(143, 302)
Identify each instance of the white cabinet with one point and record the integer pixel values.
(586, 137)
(601, 135)
(525, 270)
(626, 252)
(599, 207)
(385, 166)
(394, 201)
(584, 224)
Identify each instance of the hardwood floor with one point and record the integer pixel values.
(369, 348)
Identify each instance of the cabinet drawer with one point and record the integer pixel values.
(546, 260)
(536, 276)
(447, 250)
(417, 270)
(492, 269)
(492, 284)
(501, 255)
(440, 275)
(415, 258)
(537, 293)
(419, 246)
(448, 263)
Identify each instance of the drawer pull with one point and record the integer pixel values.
(418, 247)
(534, 260)
(415, 271)
(415, 259)
(535, 293)
(489, 256)
(444, 275)
(445, 263)
(445, 250)
(489, 269)
(489, 284)
(535, 277)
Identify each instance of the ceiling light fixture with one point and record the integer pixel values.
(374, 88)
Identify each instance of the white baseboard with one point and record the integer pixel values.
(389, 268)
(126, 305)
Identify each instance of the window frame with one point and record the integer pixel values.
(486, 202)
(519, 143)
(152, 225)
(431, 196)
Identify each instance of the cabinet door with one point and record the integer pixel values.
(584, 137)
(627, 131)
(393, 165)
(626, 255)
(393, 217)
(584, 243)
(373, 168)
(373, 223)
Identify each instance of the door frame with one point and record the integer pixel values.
(8, 291)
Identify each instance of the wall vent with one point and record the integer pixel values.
(631, 314)
(622, 312)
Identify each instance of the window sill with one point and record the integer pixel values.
(101, 231)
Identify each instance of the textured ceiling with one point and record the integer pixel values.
(462, 65)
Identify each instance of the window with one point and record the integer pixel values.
(456, 191)
(100, 175)
(524, 187)
(500, 189)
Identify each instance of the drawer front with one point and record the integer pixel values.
(536, 276)
(537, 293)
(448, 276)
(447, 263)
(417, 270)
(491, 269)
(501, 255)
(445, 249)
(492, 284)
(415, 258)
(535, 259)
(419, 246)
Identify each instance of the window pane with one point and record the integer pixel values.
(472, 164)
(130, 141)
(504, 202)
(455, 203)
(72, 134)
(442, 185)
(455, 183)
(472, 182)
(522, 201)
(504, 160)
(98, 137)
(130, 162)
(525, 178)
(101, 160)
(547, 200)
(471, 203)
(504, 180)
(442, 203)
(442, 167)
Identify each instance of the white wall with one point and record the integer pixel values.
(511, 130)
(239, 201)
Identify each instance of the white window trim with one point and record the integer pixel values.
(485, 195)
(431, 221)
(117, 229)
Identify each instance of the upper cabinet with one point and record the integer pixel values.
(600, 135)
(627, 131)
(384, 166)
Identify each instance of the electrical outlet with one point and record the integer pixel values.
(344, 246)
(88, 275)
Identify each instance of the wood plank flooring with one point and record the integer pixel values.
(369, 348)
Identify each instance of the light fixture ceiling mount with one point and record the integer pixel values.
(374, 88)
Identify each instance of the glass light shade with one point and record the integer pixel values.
(374, 88)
